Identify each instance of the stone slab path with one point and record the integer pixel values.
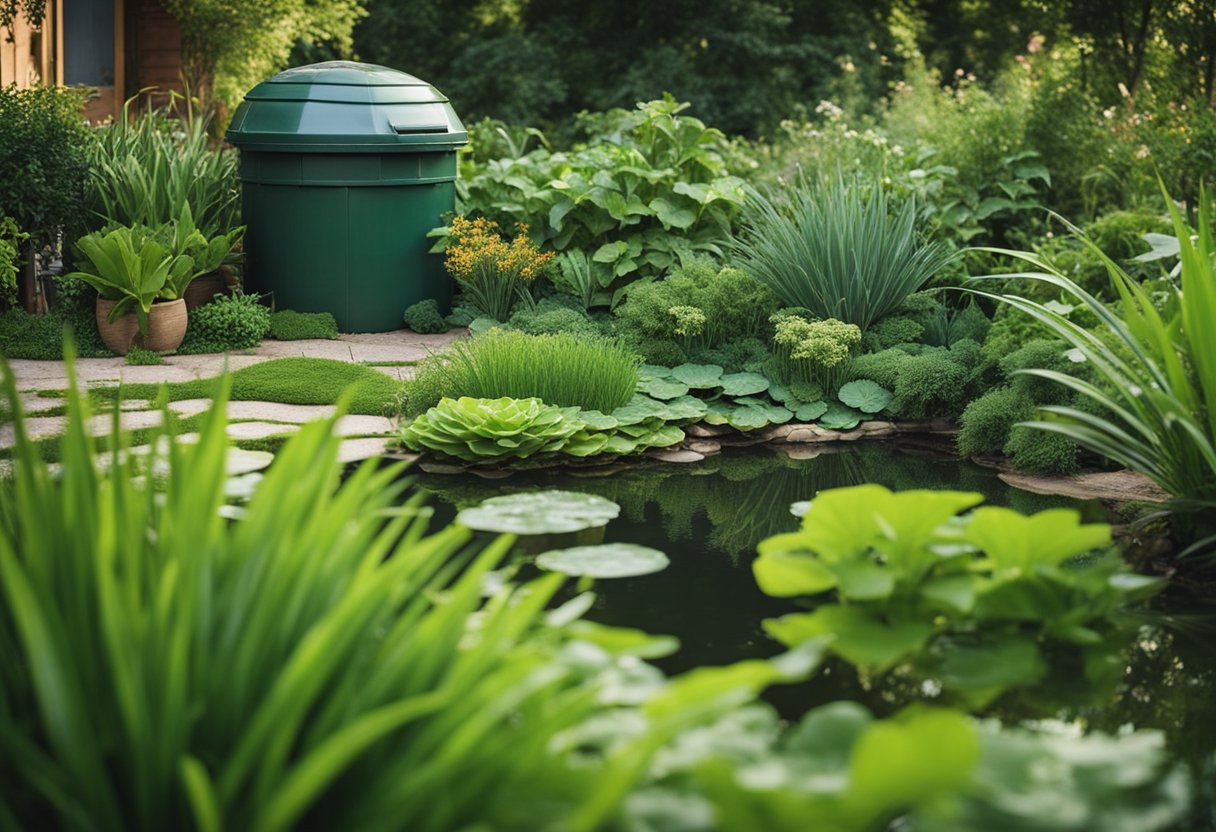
(368, 436)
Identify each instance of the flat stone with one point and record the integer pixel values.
(701, 430)
(812, 433)
(259, 430)
(937, 426)
(804, 451)
(210, 365)
(877, 428)
(388, 352)
(363, 426)
(357, 450)
(491, 473)
(778, 433)
(705, 447)
(32, 402)
(675, 456)
(1114, 486)
(190, 407)
(441, 468)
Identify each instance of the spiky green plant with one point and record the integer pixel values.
(836, 247)
(562, 370)
(1154, 393)
(322, 662)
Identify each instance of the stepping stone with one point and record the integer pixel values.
(676, 456)
(257, 411)
(259, 430)
(363, 426)
(357, 450)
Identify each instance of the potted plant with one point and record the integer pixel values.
(209, 278)
(140, 283)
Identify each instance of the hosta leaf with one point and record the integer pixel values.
(608, 560)
(865, 395)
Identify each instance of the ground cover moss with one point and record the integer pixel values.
(284, 381)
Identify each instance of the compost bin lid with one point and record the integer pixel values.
(345, 107)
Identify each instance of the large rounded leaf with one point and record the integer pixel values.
(865, 395)
(839, 417)
(701, 376)
(661, 388)
(540, 512)
(743, 384)
(608, 560)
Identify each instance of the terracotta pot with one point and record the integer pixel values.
(166, 327)
(202, 290)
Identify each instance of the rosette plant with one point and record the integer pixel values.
(483, 430)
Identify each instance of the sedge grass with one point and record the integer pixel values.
(560, 369)
(1155, 393)
(835, 247)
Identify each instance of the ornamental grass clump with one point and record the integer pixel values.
(561, 369)
(836, 248)
(492, 272)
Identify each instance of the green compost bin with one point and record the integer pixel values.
(345, 167)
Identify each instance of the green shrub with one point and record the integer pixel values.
(138, 356)
(236, 322)
(148, 168)
(549, 318)
(289, 325)
(76, 306)
(701, 303)
(883, 368)
(835, 248)
(930, 385)
(44, 146)
(38, 337)
(892, 331)
(1040, 452)
(11, 239)
(1039, 354)
(424, 317)
(740, 355)
(987, 421)
(647, 191)
(815, 352)
(562, 370)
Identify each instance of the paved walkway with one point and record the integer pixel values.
(368, 436)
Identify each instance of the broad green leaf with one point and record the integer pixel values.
(839, 417)
(858, 637)
(607, 560)
(1017, 542)
(865, 395)
(995, 664)
(743, 384)
(811, 411)
(786, 575)
(662, 388)
(540, 512)
(700, 376)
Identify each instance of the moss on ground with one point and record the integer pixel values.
(285, 381)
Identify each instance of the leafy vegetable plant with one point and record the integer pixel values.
(972, 600)
(491, 429)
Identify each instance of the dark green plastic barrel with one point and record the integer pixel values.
(345, 167)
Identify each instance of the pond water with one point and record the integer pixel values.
(709, 516)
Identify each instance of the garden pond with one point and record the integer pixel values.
(708, 517)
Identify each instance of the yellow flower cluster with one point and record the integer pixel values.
(479, 247)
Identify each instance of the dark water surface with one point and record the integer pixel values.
(709, 516)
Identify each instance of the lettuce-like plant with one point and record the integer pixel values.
(129, 267)
(909, 573)
(482, 430)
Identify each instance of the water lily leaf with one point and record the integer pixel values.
(743, 384)
(608, 560)
(700, 376)
(595, 420)
(540, 512)
(662, 388)
(654, 371)
(865, 395)
(839, 417)
(811, 411)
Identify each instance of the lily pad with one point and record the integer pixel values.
(865, 395)
(700, 376)
(744, 384)
(811, 411)
(540, 512)
(608, 560)
(839, 417)
(662, 388)
(653, 371)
